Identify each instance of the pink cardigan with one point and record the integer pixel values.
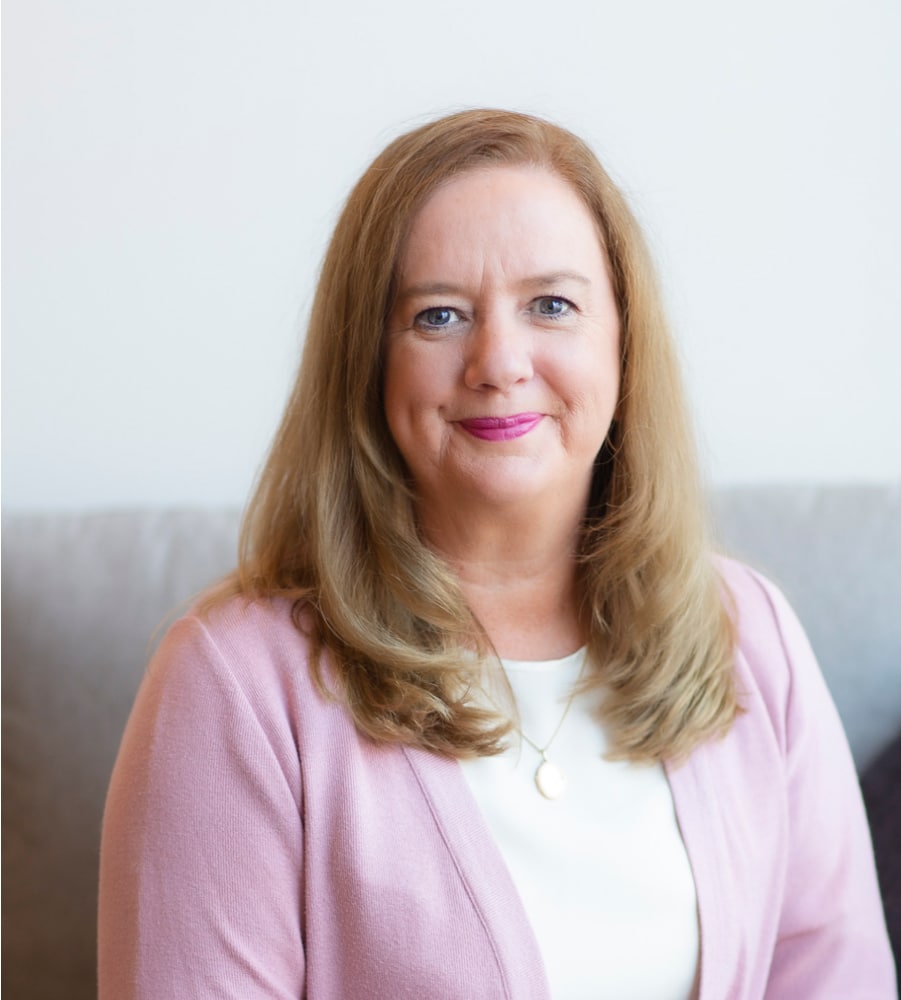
(256, 846)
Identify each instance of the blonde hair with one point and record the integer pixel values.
(332, 524)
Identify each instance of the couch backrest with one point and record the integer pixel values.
(83, 596)
(836, 552)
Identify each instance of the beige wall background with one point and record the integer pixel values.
(172, 169)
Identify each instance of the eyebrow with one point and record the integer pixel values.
(554, 276)
(429, 288)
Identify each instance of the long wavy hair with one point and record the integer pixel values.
(332, 523)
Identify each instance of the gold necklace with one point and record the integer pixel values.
(549, 777)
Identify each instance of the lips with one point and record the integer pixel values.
(500, 428)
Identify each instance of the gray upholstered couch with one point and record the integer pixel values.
(84, 594)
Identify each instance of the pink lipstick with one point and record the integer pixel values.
(500, 428)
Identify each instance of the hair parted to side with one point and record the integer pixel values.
(332, 523)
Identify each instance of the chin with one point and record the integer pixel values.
(512, 488)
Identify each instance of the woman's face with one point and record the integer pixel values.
(503, 348)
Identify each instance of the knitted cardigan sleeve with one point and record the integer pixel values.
(774, 825)
(832, 937)
(200, 881)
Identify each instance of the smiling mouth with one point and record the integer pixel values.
(500, 428)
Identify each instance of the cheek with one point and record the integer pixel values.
(593, 401)
(411, 392)
(589, 377)
(606, 368)
(418, 376)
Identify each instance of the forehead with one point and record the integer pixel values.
(526, 216)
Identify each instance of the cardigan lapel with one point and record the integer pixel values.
(489, 885)
(481, 867)
(695, 803)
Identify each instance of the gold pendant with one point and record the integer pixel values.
(549, 780)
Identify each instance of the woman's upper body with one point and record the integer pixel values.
(256, 845)
(486, 456)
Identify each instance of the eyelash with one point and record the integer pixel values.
(421, 322)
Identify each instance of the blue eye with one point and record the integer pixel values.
(436, 318)
(552, 306)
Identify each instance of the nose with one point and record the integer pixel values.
(498, 354)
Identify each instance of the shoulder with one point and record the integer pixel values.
(253, 643)
(776, 670)
(760, 609)
(768, 630)
(237, 673)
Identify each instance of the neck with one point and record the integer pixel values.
(518, 575)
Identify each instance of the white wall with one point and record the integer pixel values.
(171, 171)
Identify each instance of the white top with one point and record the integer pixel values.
(602, 870)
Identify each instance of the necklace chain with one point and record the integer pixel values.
(543, 750)
(549, 778)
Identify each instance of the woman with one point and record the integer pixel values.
(479, 714)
